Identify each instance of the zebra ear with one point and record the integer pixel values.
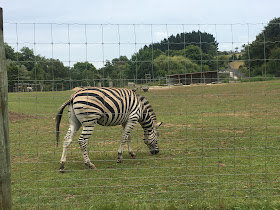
(158, 124)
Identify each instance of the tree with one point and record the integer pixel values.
(174, 65)
(10, 52)
(195, 54)
(273, 65)
(16, 73)
(121, 68)
(58, 69)
(27, 58)
(223, 61)
(85, 72)
(206, 42)
(117, 70)
(143, 63)
(256, 53)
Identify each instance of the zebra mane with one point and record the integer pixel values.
(147, 106)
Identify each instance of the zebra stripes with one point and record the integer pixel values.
(108, 107)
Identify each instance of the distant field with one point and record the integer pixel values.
(219, 148)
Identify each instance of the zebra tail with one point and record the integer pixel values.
(59, 116)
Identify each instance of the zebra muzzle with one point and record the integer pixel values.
(154, 151)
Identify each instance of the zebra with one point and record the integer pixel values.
(108, 107)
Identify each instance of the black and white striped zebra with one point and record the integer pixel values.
(107, 107)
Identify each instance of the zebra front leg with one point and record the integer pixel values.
(83, 142)
(132, 154)
(127, 128)
(120, 151)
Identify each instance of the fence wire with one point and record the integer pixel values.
(217, 96)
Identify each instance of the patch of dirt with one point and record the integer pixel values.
(161, 87)
(232, 131)
(68, 197)
(14, 117)
(24, 159)
(169, 125)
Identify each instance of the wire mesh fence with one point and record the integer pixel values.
(214, 87)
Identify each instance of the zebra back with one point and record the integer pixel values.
(112, 105)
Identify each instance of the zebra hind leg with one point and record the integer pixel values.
(83, 142)
(73, 128)
(67, 141)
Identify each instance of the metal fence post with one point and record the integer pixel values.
(5, 161)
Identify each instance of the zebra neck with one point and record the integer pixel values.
(146, 107)
(146, 121)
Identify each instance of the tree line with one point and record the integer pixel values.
(182, 53)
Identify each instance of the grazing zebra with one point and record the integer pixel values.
(107, 107)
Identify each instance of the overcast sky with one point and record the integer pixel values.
(141, 11)
(241, 21)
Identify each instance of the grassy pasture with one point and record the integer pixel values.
(219, 148)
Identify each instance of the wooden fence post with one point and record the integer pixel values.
(5, 161)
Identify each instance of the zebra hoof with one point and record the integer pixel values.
(90, 166)
(133, 156)
(62, 169)
(119, 160)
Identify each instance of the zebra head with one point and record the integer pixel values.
(151, 139)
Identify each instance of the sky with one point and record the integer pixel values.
(102, 30)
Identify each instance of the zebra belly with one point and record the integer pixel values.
(91, 116)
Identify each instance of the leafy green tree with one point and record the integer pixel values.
(81, 66)
(10, 52)
(117, 70)
(206, 42)
(121, 65)
(223, 61)
(27, 58)
(107, 69)
(45, 71)
(174, 65)
(16, 73)
(260, 50)
(195, 54)
(273, 65)
(39, 74)
(143, 63)
(57, 69)
(84, 72)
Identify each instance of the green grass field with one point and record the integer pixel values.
(219, 148)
